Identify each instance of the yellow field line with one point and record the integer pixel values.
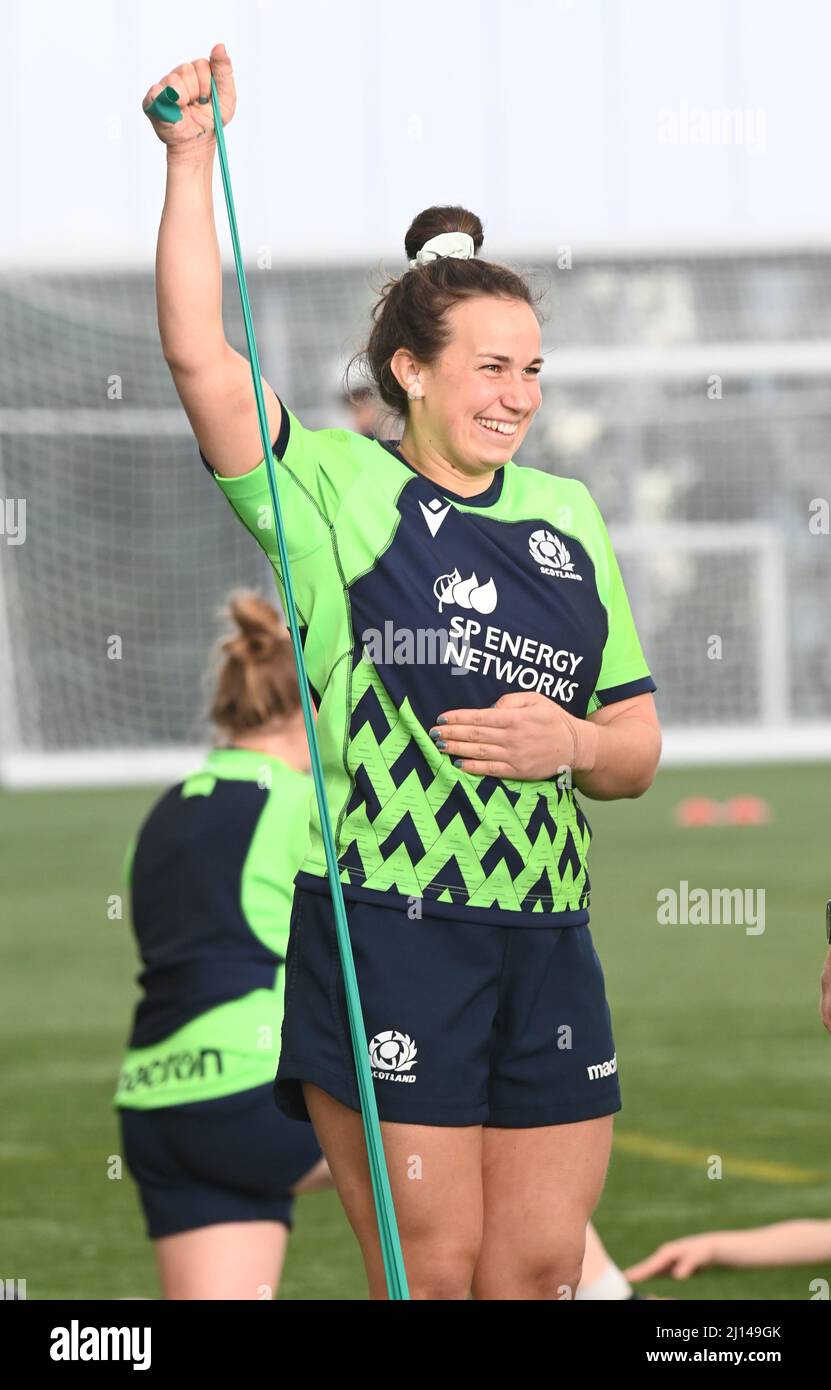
(690, 1157)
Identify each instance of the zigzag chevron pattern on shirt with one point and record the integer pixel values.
(418, 826)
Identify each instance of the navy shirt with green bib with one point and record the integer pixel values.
(211, 882)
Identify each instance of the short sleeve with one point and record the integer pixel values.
(314, 470)
(624, 672)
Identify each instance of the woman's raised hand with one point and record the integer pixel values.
(192, 82)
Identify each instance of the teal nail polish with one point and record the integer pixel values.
(203, 101)
(441, 719)
(440, 743)
(434, 734)
(457, 762)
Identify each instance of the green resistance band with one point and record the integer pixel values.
(166, 108)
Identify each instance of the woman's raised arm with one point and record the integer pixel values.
(212, 379)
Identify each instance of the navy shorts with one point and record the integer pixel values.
(466, 1024)
(231, 1159)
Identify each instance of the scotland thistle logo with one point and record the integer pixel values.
(551, 554)
(391, 1055)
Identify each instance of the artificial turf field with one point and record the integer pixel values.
(719, 1042)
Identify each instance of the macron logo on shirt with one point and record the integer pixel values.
(434, 514)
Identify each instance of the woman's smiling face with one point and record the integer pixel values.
(488, 372)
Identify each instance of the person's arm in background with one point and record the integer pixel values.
(127, 863)
(785, 1243)
(212, 379)
(825, 991)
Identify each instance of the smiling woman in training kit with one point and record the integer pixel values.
(450, 768)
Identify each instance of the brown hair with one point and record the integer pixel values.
(411, 311)
(256, 680)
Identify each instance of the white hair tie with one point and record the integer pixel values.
(457, 244)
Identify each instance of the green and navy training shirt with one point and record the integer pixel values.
(211, 885)
(413, 600)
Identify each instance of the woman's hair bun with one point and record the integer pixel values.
(432, 221)
(259, 632)
(256, 682)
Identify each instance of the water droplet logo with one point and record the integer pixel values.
(465, 593)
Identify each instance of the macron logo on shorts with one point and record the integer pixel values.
(391, 1055)
(602, 1068)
